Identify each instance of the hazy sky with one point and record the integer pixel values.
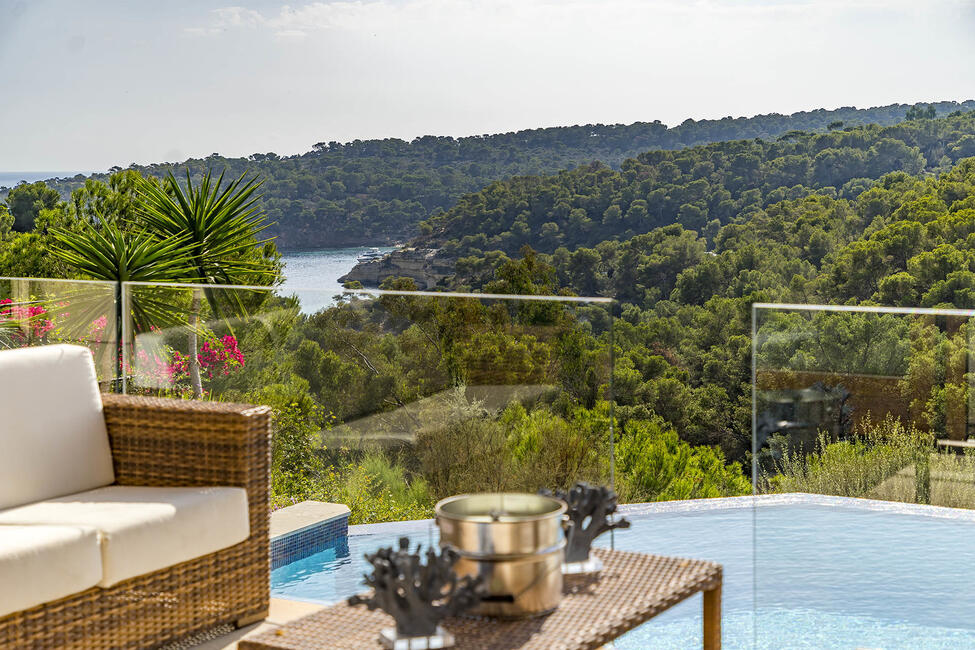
(88, 84)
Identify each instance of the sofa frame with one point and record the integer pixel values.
(171, 443)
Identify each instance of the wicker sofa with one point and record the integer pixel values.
(167, 539)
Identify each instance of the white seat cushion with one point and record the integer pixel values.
(52, 431)
(144, 529)
(40, 564)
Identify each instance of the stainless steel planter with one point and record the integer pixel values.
(515, 541)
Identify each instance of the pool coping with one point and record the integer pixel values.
(797, 499)
(306, 514)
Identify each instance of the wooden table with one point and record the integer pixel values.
(632, 589)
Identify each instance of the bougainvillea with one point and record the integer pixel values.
(220, 356)
(29, 323)
(153, 369)
(29, 317)
(96, 330)
(179, 368)
(216, 357)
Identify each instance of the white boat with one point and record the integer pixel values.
(372, 254)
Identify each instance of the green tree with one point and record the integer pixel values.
(6, 223)
(115, 200)
(921, 112)
(219, 225)
(26, 201)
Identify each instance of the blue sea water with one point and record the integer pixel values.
(10, 179)
(314, 275)
(795, 576)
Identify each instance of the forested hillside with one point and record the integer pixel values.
(377, 191)
(701, 188)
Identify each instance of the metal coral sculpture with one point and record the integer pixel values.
(418, 596)
(589, 510)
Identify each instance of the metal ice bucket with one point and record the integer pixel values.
(515, 541)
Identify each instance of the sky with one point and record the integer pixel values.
(86, 84)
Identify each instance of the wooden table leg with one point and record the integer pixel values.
(712, 618)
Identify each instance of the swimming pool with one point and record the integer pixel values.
(801, 571)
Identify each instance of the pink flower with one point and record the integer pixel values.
(97, 328)
(216, 357)
(220, 356)
(31, 316)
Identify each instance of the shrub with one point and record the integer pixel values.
(654, 464)
(875, 452)
(376, 490)
(517, 451)
(546, 450)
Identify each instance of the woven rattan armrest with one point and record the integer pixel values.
(171, 442)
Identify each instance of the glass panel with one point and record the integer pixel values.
(45, 312)
(865, 474)
(389, 401)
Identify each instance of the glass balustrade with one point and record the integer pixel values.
(388, 401)
(864, 470)
(38, 311)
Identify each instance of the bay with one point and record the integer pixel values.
(314, 275)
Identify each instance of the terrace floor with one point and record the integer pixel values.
(282, 611)
(285, 521)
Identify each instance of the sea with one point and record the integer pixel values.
(313, 275)
(11, 179)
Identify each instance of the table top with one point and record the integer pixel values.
(631, 589)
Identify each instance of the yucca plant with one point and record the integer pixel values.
(219, 226)
(112, 254)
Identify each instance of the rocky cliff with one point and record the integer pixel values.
(424, 265)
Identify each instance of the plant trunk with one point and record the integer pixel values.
(119, 345)
(922, 476)
(194, 359)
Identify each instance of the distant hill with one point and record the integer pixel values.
(378, 191)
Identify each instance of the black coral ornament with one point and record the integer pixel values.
(418, 596)
(589, 513)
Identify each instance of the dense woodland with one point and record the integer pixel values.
(377, 191)
(686, 241)
(701, 188)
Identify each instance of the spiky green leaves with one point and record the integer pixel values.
(220, 225)
(110, 253)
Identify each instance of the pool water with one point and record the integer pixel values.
(809, 572)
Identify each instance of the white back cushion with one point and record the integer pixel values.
(52, 432)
